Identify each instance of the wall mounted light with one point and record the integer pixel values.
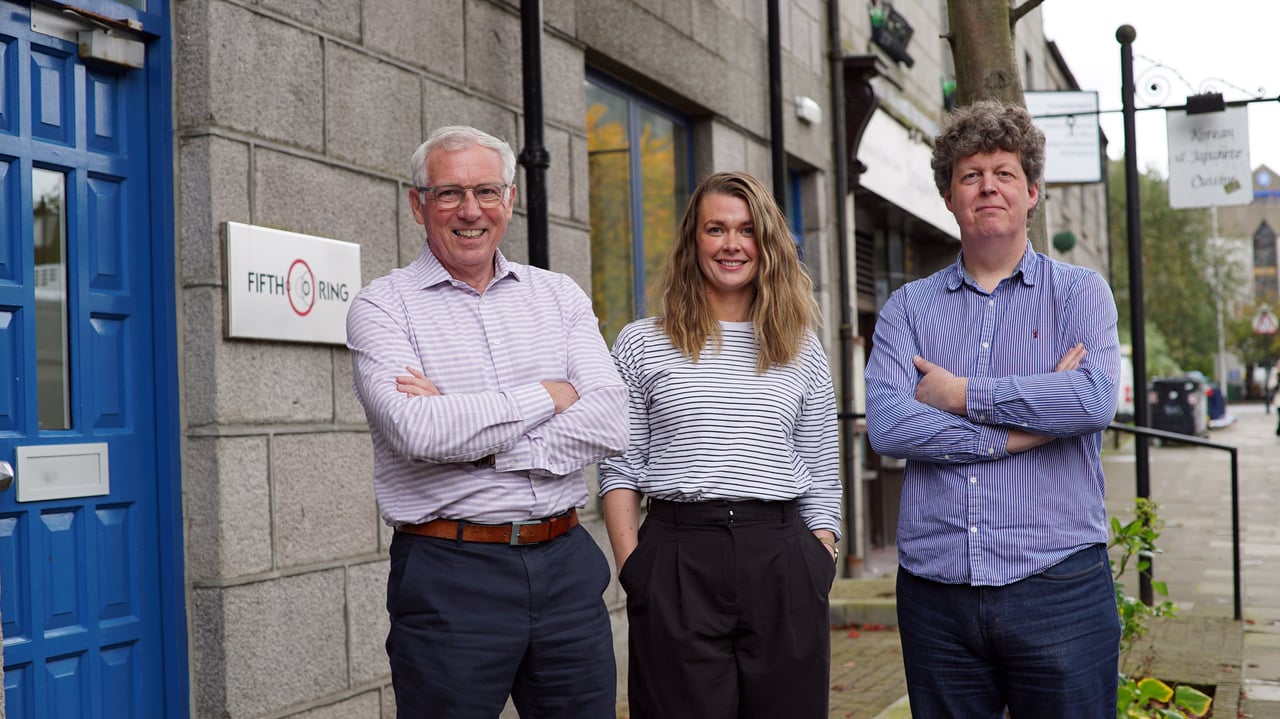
(808, 110)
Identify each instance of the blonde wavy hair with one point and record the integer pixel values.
(784, 308)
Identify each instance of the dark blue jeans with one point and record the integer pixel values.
(472, 623)
(1045, 647)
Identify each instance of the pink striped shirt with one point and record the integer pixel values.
(487, 354)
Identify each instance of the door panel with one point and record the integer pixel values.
(79, 576)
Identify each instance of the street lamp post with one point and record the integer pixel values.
(1137, 320)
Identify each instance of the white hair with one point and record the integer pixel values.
(460, 137)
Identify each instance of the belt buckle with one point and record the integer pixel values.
(515, 530)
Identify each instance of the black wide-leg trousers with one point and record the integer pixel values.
(727, 604)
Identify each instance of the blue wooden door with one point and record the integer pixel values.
(81, 527)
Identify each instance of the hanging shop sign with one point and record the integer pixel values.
(1209, 158)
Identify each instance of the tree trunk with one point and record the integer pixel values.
(986, 62)
(982, 45)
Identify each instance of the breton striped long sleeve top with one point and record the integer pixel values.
(487, 354)
(716, 430)
(971, 513)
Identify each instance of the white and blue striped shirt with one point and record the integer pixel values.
(971, 513)
(487, 354)
(718, 430)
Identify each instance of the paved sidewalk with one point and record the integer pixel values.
(1204, 645)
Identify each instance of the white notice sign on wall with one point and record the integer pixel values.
(288, 286)
(1209, 158)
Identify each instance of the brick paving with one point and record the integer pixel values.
(866, 672)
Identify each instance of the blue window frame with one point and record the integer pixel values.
(640, 175)
(795, 208)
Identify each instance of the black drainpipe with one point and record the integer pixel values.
(854, 101)
(779, 153)
(840, 149)
(534, 157)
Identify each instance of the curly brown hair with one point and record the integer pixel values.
(784, 308)
(988, 126)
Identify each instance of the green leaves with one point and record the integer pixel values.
(1185, 273)
(1147, 697)
(1137, 542)
(1153, 698)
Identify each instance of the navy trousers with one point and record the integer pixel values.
(472, 623)
(1045, 647)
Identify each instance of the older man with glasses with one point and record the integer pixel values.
(488, 389)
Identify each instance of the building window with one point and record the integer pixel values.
(639, 162)
(795, 208)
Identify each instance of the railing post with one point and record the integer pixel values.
(1146, 432)
(1235, 531)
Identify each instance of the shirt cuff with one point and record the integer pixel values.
(533, 404)
(993, 442)
(517, 459)
(980, 400)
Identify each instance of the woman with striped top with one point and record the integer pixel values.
(734, 441)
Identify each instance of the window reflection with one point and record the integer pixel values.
(663, 167)
(49, 228)
(639, 169)
(609, 165)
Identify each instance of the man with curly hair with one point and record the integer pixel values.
(995, 378)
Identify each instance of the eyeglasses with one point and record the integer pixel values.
(448, 197)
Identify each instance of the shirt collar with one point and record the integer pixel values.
(1026, 269)
(429, 272)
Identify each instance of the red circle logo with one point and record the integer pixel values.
(300, 284)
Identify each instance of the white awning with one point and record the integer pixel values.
(898, 170)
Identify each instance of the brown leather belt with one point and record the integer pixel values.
(514, 533)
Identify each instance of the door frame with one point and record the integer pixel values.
(168, 416)
(157, 22)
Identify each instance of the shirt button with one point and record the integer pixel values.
(991, 302)
(985, 345)
(497, 343)
(991, 450)
(973, 480)
(982, 418)
(973, 530)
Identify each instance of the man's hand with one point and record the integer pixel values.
(562, 393)
(939, 388)
(1071, 360)
(416, 384)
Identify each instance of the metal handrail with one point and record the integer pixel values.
(1235, 492)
